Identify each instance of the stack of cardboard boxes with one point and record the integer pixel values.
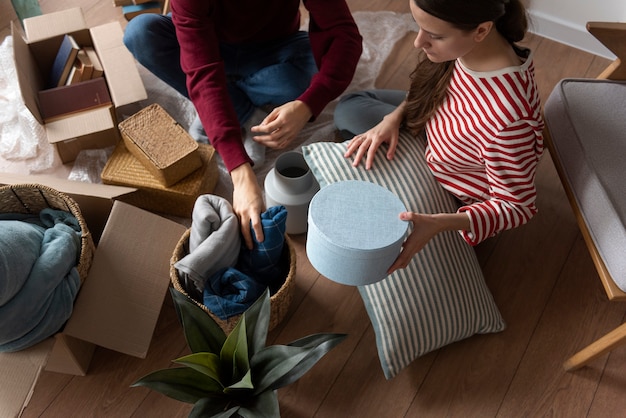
(35, 49)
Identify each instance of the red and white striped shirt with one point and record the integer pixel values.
(484, 143)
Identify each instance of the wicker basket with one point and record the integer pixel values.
(124, 169)
(279, 301)
(33, 198)
(160, 144)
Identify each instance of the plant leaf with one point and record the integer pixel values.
(280, 365)
(215, 408)
(264, 405)
(234, 354)
(205, 363)
(180, 383)
(201, 331)
(257, 322)
(241, 387)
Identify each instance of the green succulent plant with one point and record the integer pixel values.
(235, 375)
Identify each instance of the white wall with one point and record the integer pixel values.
(564, 21)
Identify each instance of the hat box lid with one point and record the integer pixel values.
(354, 231)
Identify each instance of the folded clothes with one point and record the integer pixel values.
(219, 269)
(214, 242)
(231, 291)
(39, 257)
(263, 261)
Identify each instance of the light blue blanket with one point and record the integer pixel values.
(38, 276)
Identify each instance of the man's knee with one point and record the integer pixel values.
(140, 31)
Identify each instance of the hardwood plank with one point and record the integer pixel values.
(609, 399)
(48, 388)
(571, 63)
(328, 307)
(362, 390)
(156, 405)
(598, 64)
(578, 312)
(476, 372)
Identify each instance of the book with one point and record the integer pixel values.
(86, 67)
(133, 10)
(75, 73)
(97, 70)
(63, 61)
(62, 101)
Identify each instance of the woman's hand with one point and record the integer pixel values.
(425, 227)
(282, 125)
(248, 203)
(367, 144)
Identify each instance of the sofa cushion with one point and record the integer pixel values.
(587, 124)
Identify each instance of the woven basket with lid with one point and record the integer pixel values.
(280, 301)
(161, 144)
(33, 198)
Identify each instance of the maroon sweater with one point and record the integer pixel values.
(202, 24)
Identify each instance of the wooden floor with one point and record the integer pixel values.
(541, 276)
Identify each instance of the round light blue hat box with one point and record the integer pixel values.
(354, 232)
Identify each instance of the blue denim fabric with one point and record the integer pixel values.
(258, 74)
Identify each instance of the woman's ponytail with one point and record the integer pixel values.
(514, 23)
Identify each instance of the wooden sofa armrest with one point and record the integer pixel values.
(613, 36)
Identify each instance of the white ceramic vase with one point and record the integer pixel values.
(291, 184)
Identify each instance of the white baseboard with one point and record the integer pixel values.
(567, 33)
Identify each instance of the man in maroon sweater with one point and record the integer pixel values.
(230, 57)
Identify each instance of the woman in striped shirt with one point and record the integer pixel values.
(474, 96)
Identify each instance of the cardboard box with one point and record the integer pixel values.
(120, 301)
(18, 374)
(34, 50)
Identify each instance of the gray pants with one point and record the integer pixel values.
(358, 112)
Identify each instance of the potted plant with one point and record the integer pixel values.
(235, 375)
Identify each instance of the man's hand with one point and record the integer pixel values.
(248, 203)
(282, 125)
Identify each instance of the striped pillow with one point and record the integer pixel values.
(441, 297)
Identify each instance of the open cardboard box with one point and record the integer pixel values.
(34, 50)
(119, 302)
